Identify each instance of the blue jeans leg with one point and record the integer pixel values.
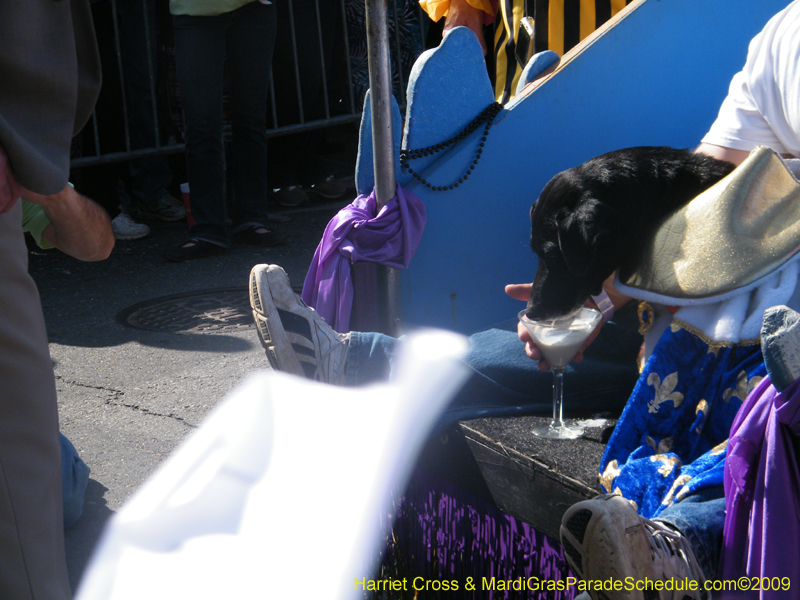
(701, 519)
(74, 479)
(505, 382)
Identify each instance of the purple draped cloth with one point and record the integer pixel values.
(762, 490)
(359, 232)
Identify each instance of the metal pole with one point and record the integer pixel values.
(380, 93)
(384, 282)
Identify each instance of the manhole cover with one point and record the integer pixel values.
(207, 311)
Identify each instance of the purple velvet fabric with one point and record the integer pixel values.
(762, 490)
(389, 237)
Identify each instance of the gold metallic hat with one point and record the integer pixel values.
(744, 227)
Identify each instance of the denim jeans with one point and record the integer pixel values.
(701, 519)
(505, 382)
(74, 479)
(241, 42)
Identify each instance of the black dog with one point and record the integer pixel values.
(595, 218)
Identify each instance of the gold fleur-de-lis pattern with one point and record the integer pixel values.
(702, 407)
(668, 463)
(663, 446)
(679, 486)
(719, 448)
(682, 406)
(664, 391)
(743, 387)
(609, 475)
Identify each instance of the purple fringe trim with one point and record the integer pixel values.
(443, 533)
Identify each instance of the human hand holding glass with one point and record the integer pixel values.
(522, 292)
(559, 340)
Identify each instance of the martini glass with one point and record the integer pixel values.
(559, 341)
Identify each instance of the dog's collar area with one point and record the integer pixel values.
(604, 305)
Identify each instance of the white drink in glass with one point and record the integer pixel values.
(559, 341)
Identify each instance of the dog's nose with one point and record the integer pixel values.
(536, 311)
(537, 307)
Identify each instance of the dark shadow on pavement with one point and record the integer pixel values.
(117, 335)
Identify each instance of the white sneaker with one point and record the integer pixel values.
(296, 339)
(125, 228)
(605, 538)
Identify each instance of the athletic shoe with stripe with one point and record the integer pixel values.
(605, 538)
(296, 339)
(125, 228)
(780, 345)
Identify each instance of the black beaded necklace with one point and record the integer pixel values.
(488, 115)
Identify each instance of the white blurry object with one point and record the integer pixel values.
(281, 489)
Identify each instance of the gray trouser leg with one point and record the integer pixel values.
(32, 562)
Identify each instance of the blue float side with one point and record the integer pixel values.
(656, 77)
(365, 167)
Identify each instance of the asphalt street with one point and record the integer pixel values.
(143, 349)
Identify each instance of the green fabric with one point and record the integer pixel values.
(34, 221)
(205, 8)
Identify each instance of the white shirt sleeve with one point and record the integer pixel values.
(762, 104)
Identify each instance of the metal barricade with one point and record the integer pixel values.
(327, 38)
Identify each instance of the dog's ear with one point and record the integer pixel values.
(578, 236)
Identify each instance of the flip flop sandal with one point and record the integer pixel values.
(258, 235)
(193, 249)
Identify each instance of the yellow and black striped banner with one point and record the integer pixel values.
(558, 26)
